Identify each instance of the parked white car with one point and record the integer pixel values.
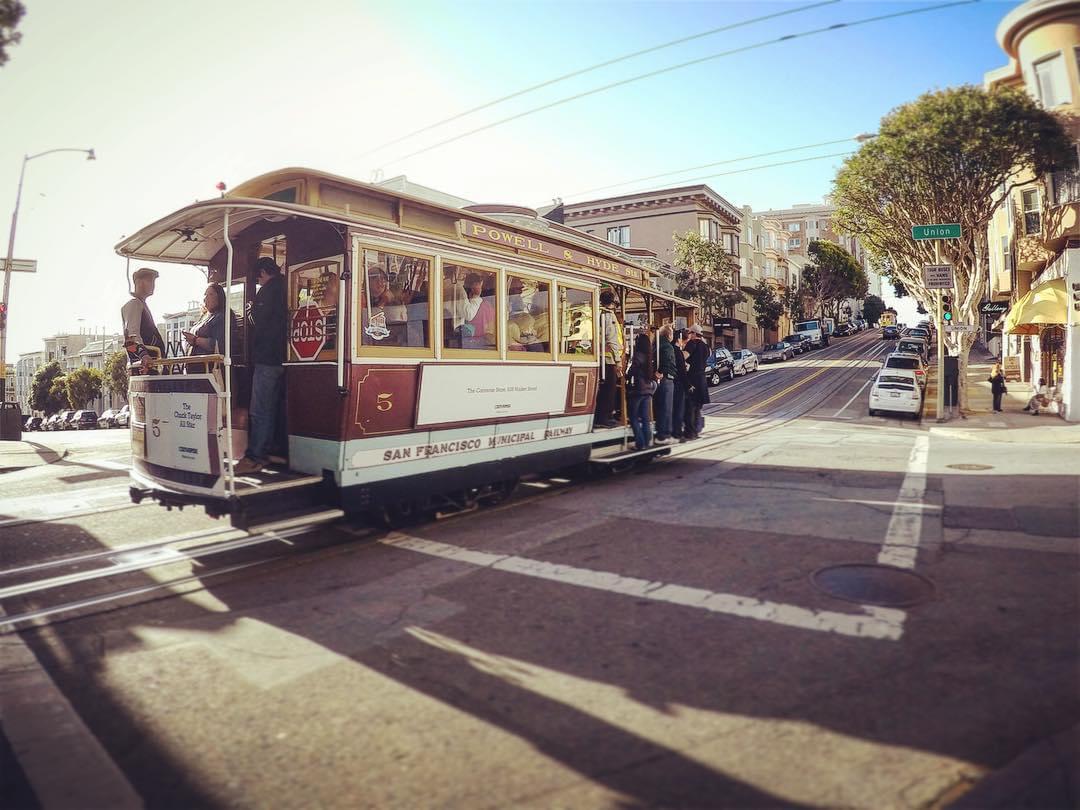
(745, 361)
(907, 360)
(896, 390)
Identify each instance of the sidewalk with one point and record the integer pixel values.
(980, 423)
(27, 453)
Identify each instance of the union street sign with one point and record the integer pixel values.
(949, 231)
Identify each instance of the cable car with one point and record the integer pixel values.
(433, 355)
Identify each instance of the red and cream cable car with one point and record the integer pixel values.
(435, 354)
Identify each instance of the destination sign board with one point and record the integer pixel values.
(948, 231)
(528, 243)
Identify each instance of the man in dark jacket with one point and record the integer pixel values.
(697, 388)
(678, 399)
(270, 321)
(666, 372)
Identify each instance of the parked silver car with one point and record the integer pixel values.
(775, 352)
(745, 361)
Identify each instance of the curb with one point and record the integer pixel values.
(62, 761)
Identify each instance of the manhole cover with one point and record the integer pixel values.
(871, 584)
(970, 466)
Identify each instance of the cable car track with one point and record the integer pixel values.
(191, 549)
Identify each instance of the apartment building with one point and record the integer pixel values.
(176, 323)
(25, 369)
(646, 222)
(1035, 234)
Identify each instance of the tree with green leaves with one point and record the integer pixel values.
(946, 157)
(832, 276)
(792, 301)
(11, 12)
(767, 306)
(116, 374)
(706, 273)
(83, 385)
(47, 390)
(872, 308)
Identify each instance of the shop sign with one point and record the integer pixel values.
(532, 244)
(1012, 367)
(726, 323)
(994, 307)
(453, 394)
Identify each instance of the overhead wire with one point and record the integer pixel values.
(679, 66)
(707, 166)
(597, 66)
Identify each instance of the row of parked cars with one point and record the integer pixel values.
(900, 385)
(79, 420)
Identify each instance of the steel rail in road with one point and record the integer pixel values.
(149, 562)
(189, 547)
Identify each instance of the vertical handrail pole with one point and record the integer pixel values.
(230, 480)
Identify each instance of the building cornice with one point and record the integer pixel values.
(696, 195)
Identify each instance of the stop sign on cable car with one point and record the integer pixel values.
(307, 332)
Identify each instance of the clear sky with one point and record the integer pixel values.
(178, 96)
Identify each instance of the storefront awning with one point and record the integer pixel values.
(1045, 305)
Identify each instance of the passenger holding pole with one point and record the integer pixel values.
(611, 371)
(666, 373)
(270, 320)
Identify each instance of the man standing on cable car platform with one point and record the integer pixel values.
(139, 328)
(270, 319)
(612, 342)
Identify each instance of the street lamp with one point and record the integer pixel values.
(7, 264)
(863, 137)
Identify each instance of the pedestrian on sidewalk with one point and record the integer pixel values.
(1039, 396)
(997, 385)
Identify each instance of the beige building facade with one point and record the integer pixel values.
(1034, 236)
(648, 221)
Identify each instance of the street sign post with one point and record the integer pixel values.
(938, 276)
(949, 231)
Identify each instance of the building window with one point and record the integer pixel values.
(1051, 81)
(619, 235)
(1006, 255)
(1032, 212)
(794, 242)
(794, 227)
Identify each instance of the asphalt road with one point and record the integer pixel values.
(651, 639)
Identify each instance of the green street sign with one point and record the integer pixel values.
(936, 231)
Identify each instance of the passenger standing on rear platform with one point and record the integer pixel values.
(270, 319)
(665, 386)
(678, 399)
(611, 337)
(697, 388)
(641, 386)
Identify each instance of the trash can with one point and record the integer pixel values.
(10, 422)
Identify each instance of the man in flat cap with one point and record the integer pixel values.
(139, 324)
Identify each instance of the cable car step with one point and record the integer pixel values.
(273, 481)
(297, 520)
(621, 457)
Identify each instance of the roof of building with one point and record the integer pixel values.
(1032, 14)
(644, 198)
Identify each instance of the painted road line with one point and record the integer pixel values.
(803, 381)
(901, 547)
(876, 623)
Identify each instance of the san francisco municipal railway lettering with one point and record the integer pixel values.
(423, 451)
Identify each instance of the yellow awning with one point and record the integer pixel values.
(1045, 305)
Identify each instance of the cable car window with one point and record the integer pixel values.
(313, 287)
(528, 315)
(576, 318)
(470, 308)
(395, 301)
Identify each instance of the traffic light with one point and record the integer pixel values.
(946, 309)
